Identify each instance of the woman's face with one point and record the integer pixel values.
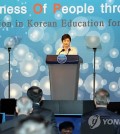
(66, 43)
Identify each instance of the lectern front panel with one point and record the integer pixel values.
(64, 81)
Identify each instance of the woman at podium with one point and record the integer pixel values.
(66, 48)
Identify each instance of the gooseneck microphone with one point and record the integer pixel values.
(69, 50)
(62, 50)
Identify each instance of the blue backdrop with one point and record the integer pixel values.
(28, 65)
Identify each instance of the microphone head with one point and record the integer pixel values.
(69, 49)
(62, 50)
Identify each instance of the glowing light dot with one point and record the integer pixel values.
(5, 75)
(47, 85)
(21, 52)
(48, 49)
(88, 83)
(105, 37)
(110, 2)
(84, 66)
(113, 86)
(114, 53)
(104, 82)
(117, 69)
(96, 84)
(2, 56)
(42, 68)
(29, 67)
(109, 66)
(58, 15)
(35, 83)
(35, 34)
(80, 82)
(80, 28)
(25, 87)
(15, 92)
(7, 18)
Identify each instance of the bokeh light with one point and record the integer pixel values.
(109, 66)
(3, 56)
(58, 44)
(113, 86)
(98, 60)
(28, 68)
(35, 34)
(7, 18)
(104, 82)
(29, 56)
(91, 96)
(72, 33)
(48, 49)
(50, 36)
(105, 37)
(84, 66)
(97, 67)
(117, 69)
(80, 95)
(80, 31)
(45, 85)
(14, 62)
(25, 87)
(110, 2)
(35, 83)
(114, 53)
(9, 42)
(15, 91)
(20, 52)
(5, 75)
(102, 27)
(80, 82)
(58, 15)
(88, 83)
(117, 93)
(42, 68)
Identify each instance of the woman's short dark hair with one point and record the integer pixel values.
(65, 36)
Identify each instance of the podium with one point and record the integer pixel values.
(64, 77)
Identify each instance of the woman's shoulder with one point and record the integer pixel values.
(58, 50)
(73, 49)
